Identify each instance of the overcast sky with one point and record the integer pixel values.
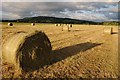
(94, 11)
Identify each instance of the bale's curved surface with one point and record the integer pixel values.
(27, 51)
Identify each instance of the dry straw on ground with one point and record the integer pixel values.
(10, 24)
(108, 30)
(27, 51)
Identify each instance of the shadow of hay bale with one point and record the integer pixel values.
(114, 32)
(27, 51)
(63, 53)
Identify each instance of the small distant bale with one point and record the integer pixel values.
(27, 51)
(56, 24)
(59, 24)
(33, 24)
(66, 27)
(70, 25)
(10, 24)
(108, 30)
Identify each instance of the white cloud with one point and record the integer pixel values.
(86, 15)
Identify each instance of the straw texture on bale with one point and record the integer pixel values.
(10, 24)
(27, 51)
(33, 24)
(108, 30)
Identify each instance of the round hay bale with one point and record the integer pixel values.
(56, 24)
(33, 24)
(10, 24)
(59, 24)
(108, 30)
(27, 51)
(70, 25)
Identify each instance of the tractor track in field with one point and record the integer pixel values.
(68, 35)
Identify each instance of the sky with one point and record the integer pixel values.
(92, 11)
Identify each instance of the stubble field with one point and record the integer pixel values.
(83, 52)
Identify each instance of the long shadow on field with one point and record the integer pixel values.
(61, 54)
(114, 32)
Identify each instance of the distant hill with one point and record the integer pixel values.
(47, 19)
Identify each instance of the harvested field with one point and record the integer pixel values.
(83, 52)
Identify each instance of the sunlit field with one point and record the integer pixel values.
(85, 51)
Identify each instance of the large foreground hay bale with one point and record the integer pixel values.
(27, 51)
(10, 24)
(108, 30)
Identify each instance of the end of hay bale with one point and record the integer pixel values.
(10, 24)
(27, 51)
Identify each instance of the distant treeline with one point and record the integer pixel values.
(110, 23)
(44, 19)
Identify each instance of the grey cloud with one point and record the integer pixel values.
(79, 10)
